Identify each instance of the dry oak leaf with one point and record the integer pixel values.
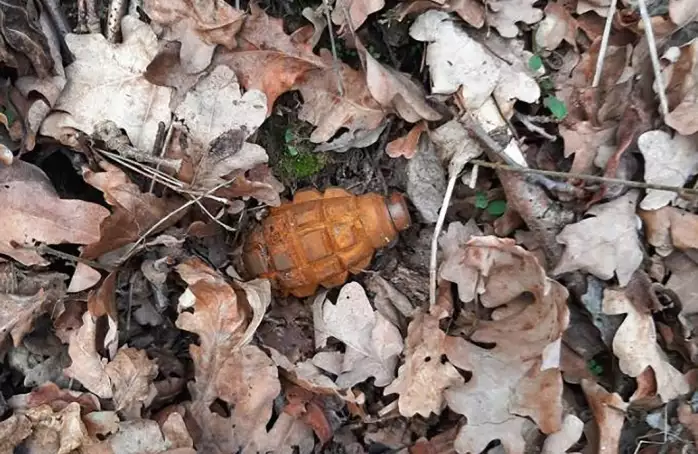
(682, 12)
(635, 345)
(132, 374)
(134, 211)
(269, 60)
(605, 243)
(22, 32)
(372, 342)
(60, 432)
(32, 212)
(609, 414)
(88, 366)
(586, 141)
(106, 82)
(669, 161)
(504, 14)
(670, 227)
(215, 105)
(406, 145)
(242, 376)
(557, 26)
(13, 431)
(355, 12)
(425, 375)
(569, 434)
(458, 62)
(471, 11)
(520, 377)
(681, 85)
(198, 25)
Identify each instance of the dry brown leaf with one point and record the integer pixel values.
(199, 26)
(635, 345)
(273, 62)
(471, 11)
(132, 374)
(13, 431)
(669, 228)
(605, 244)
(137, 436)
(609, 415)
(88, 365)
(106, 82)
(680, 79)
(242, 376)
(175, 431)
(669, 161)
(353, 13)
(59, 432)
(569, 434)
(504, 14)
(683, 12)
(372, 342)
(33, 213)
(458, 62)
(682, 281)
(558, 25)
(406, 145)
(586, 141)
(424, 377)
(17, 314)
(134, 211)
(520, 377)
(50, 394)
(84, 277)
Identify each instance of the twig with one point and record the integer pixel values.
(116, 11)
(580, 176)
(604, 43)
(335, 60)
(184, 206)
(435, 238)
(72, 258)
(649, 34)
(534, 127)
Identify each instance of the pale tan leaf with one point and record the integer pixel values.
(84, 277)
(423, 378)
(566, 437)
(132, 374)
(353, 13)
(609, 412)
(13, 431)
(175, 432)
(504, 14)
(605, 244)
(17, 314)
(669, 161)
(136, 437)
(669, 228)
(106, 82)
(372, 342)
(683, 12)
(635, 345)
(558, 25)
(88, 366)
(32, 212)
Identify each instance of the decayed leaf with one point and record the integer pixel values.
(242, 376)
(424, 377)
(557, 26)
(609, 414)
(61, 431)
(669, 228)
(635, 345)
(33, 213)
(585, 141)
(134, 211)
(406, 145)
(136, 436)
(353, 13)
(426, 180)
(683, 12)
(456, 61)
(13, 431)
(17, 314)
(106, 82)
(668, 160)
(372, 342)
(504, 14)
(681, 79)
(520, 376)
(22, 32)
(604, 244)
(88, 366)
(132, 374)
(682, 281)
(215, 105)
(198, 25)
(471, 11)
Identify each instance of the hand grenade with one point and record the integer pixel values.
(318, 239)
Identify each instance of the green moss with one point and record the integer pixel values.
(302, 164)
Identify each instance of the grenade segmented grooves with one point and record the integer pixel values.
(318, 239)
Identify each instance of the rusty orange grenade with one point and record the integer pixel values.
(319, 238)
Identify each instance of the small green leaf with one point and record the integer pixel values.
(481, 200)
(594, 367)
(546, 84)
(557, 107)
(535, 63)
(292, 151)
(288, 136)
(497, 207)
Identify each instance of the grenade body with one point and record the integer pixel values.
(318, 239)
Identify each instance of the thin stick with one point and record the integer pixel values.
(335, 60)
(556, 174)
(184, 206)
(534, 127)
(649, 34)
(435, 238)
(604, 43)
(72, 258)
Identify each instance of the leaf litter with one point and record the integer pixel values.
(561, 303)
